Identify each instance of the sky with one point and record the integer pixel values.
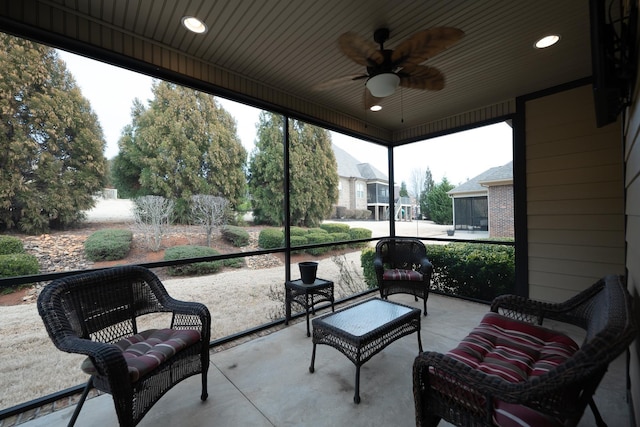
(458, 157)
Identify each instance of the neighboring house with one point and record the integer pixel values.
(485, 203)
(361, 186)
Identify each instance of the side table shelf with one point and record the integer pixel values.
(307, 296)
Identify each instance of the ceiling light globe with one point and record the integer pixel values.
(193, 24)
(384, 84)
(547, 41)
(376, 107)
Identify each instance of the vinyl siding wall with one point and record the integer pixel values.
(575, 197)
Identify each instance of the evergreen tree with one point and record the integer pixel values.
(312, 169)
(183, 144)
(427, 186)
(440, 204)
(51, 144)
(403, 189)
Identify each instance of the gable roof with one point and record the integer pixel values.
(479, 184)
(350, 167)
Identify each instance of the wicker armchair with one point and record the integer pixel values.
(447, 386)
(95, 314)
(402, 266)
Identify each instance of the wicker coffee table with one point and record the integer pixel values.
(363, 330)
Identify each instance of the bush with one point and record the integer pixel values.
(187, 251)
(363, 214)
(236, 235)
(298, 231)
(358, 233)
(340, 211)
(12, 265)
(234, 262)
(473, 270)
(314, 238)
(271, 238)
(366, 261)
(334, 227)
(298, 241)
(11, 245)
(316, 230)
(108, 245)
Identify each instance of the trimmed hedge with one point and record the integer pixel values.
(12, 265)
(11, 245)
(271, 238)
(189, 251)
(314, 238)
(236, 235)
(333, 227)
(359, 233)
(108, 245)
(366, 262)
(298, 231)
(474, 270)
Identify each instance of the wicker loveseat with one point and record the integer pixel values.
(97, 314)
(510, 370)
(402, 266)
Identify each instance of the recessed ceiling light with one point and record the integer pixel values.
(375, 107)
(547, 41)
(192, 23)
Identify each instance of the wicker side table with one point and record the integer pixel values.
(307, 296)
(363, 330)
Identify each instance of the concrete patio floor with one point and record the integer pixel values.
(266, 382)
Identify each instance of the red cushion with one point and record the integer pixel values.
(514, 351)
(399, 274)
(145, 351)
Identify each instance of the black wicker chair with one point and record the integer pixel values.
(402, 266)
(92, 313)
(447, 388)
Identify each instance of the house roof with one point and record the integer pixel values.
(496, 175)
(350, 167)
(273, 54)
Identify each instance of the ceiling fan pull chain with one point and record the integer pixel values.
(401, 105)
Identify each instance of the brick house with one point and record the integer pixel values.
(485, 203)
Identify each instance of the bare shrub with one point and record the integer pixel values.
(152, 216)
(208, 212)
(351, 280)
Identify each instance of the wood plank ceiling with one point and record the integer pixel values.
(273, 52)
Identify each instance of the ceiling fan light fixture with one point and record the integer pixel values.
(547, 41)
(375, 107)
(383, 84)
(193, 24)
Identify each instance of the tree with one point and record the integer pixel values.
(183, 144)
(312, 169)
(427, 186)
(403, 189)
(440, 204)
(51, 144)
(416, 181)
(208, 212)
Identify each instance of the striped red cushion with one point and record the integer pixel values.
(513, 350)
(145, 351)
(399, 274)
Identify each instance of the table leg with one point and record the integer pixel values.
(356, 396)
(287, 306)
(313, 359)
(306, 310)
(419, 342)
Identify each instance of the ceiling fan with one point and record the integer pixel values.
(387, 69)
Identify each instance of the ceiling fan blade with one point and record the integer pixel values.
(338, 82)
(421, 77)
(425, 44)
(370, 100)
(359, 50)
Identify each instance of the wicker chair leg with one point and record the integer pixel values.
(205, 392)
(85, 393)
(596, 414)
